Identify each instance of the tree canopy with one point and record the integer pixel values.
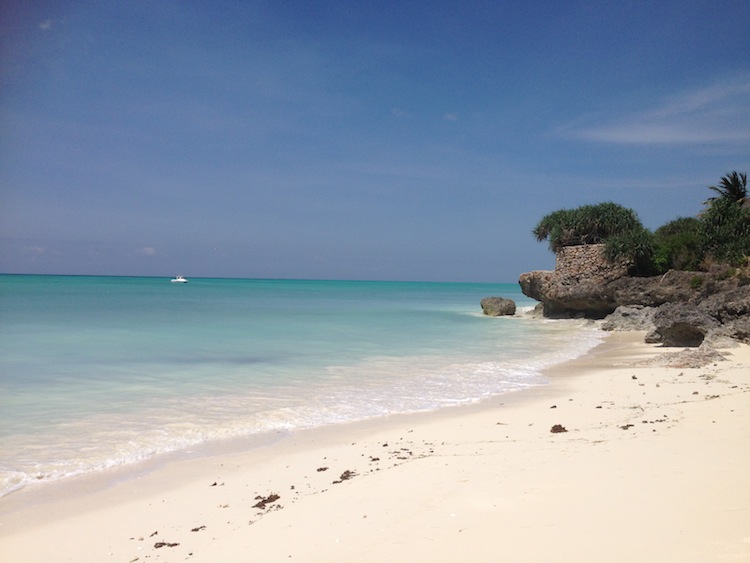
(725, 231)
(721, 234)
(588, 224)
(678, 245)
(732, 187)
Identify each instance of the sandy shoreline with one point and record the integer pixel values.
(653, 466)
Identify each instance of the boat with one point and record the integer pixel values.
(179, 279)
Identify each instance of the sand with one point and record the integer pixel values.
(653, 465)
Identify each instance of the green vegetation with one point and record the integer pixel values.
(719, 235)
(678, 245)
(732, 187)
(636, 247)
(725, 232)
(588, 224)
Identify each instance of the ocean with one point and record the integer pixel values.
(101, 372)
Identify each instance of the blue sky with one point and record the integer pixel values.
(353, 140)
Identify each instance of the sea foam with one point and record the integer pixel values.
(103, 372)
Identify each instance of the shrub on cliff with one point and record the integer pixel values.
(721, 234)
(678, 245)
(588, 224)
(636, 247)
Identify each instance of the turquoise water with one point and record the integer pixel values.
(97, 372)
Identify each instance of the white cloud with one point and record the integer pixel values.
(450, 117)
(716, 114)
(46, 25)
(147, 251)
(37, 250)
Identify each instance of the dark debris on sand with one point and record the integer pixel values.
(345, 476)
(263, 501)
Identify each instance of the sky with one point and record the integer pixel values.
(346, 139)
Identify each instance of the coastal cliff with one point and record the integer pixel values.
(680, 308)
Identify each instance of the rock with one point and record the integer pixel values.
(597, 298)
(737, 330)
(630, 317)
(562, 297)
(691, 306)
(652, 337)
(498, 306)
(682, 324)
(728, 305)
(674, 286)
(741, 329)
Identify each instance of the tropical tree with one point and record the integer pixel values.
(678, 245)
(725, 224)
(725, 231)
(720, 234)
(733, 187)
(588, 224)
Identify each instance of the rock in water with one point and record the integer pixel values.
(498, 306)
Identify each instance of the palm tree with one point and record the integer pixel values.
(733, 187)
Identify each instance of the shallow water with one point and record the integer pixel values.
(97, 372)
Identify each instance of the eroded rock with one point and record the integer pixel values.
(498, 306)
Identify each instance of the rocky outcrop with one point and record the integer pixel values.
(687, 324)
(630, 317)
(498, 306)
(560, 297)
(728, 305)
(681, 324)
(678, 308)
(596, 297)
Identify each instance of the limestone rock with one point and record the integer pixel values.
(562, 297)
(728, 305)
(498, 306)
(630, 317)
(686, 307)
(682, 324)
(599, 298)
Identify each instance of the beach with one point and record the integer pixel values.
(98, 373)
(649, 462)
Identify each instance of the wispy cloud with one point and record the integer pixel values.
(716, 114)
(45, 25)
(147, 251)
(450, 117)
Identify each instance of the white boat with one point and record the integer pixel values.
(179, 279)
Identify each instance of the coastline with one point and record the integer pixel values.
(652, 467)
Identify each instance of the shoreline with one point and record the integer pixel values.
(478, 481)
(104, 475)
(132, 397)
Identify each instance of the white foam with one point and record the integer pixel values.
(117, 396)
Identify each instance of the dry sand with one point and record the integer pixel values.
(654, 465)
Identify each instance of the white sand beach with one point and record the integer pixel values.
(653, 465)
